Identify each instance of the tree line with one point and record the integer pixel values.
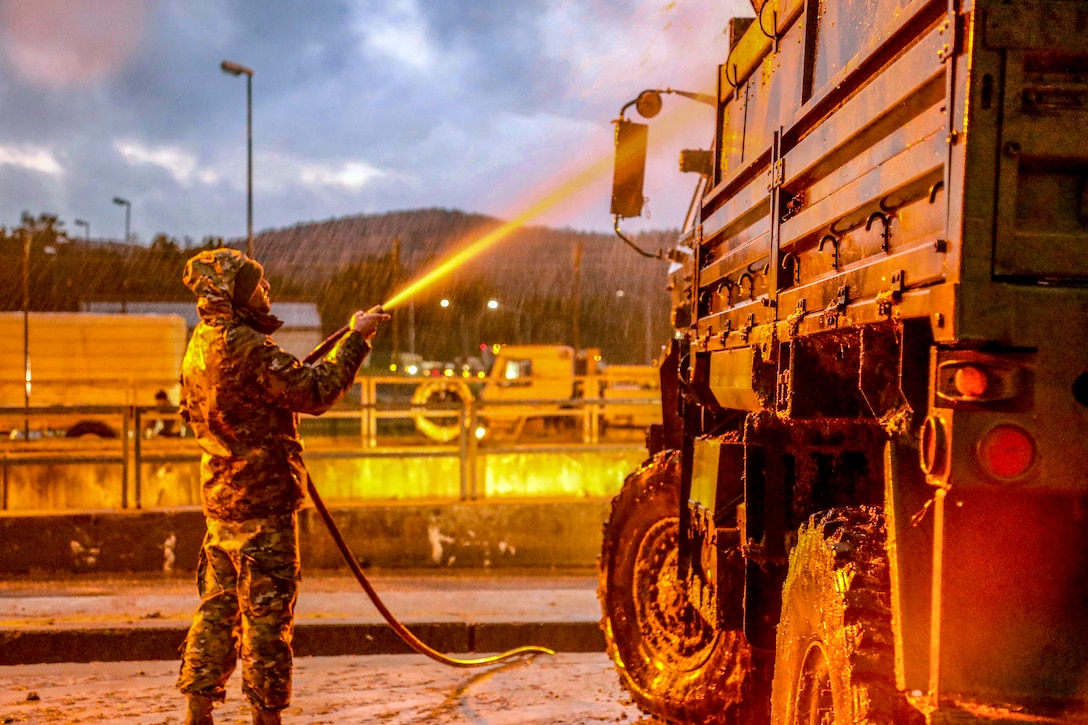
(551, 286)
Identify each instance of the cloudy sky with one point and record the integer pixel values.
(499, 107)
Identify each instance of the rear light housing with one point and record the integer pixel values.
(978, 381)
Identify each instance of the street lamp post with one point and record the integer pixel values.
(26, 333)
(491, 306)
(235, 69)
(124, 276)
(128, 213)
(86, 229)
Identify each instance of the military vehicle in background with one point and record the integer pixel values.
(868, 500)
(80, 361)
(534, 390)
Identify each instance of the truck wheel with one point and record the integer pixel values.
(834, 660)
(676, 665)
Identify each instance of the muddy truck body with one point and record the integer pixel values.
(867, 500)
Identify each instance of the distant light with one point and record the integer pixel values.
(393, 368)
(596, 358)
(492, 304)
(481, 374)
(444, 303)
(495, 348)
(619, 293)
(464, 367)
(483, 347)
(465, 374)
(411, 369)
(448, 373)
(480, 433)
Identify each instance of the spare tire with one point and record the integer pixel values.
(444, 391)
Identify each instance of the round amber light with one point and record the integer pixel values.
(970, 381)
(1006, 451)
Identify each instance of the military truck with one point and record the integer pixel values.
(868, 499)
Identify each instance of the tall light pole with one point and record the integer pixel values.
(26, 333)
(235, 69)
(124, 275)
(128, 213)
(86, 229)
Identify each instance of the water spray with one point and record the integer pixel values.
(577, 182)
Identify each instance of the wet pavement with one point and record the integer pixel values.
(94, 619)
(394, 689)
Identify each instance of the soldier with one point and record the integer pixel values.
(241, 396)
(162, 423)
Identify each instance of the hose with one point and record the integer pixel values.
(403, 632)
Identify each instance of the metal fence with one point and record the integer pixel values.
(378, 421)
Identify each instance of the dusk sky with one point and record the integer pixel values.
(498, 107)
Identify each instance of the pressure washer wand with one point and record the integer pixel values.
(410, 639)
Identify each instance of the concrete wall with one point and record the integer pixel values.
(577, 472)
(530, 509)
(528, 533)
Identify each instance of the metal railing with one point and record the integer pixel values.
(380, 428)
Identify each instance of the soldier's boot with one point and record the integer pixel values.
(199, 711)
(265, 717)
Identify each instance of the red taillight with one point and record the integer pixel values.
(1006, 451)
(970, 381)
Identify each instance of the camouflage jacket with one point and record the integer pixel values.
(241, 395)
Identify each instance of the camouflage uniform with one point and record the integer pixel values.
(241, 396)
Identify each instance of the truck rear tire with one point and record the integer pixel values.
(835, 656)
(676, 665)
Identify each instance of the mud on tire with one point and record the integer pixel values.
(835, 653)
(677, 667)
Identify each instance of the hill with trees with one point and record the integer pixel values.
(552, 286)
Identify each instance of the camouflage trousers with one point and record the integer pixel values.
(247, 574)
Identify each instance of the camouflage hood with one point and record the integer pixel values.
(211, 276)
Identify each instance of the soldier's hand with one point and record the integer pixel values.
(367, 322)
